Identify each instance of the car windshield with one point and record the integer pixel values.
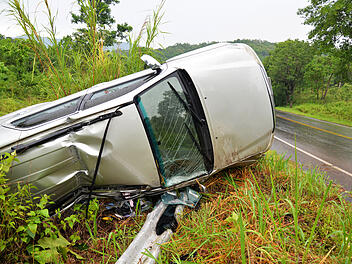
(171, 129)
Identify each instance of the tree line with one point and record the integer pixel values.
(261, 47)
(296, 66)
(320, 64)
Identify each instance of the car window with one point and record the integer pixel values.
(48, 114)
(113, 92)
(171, 129)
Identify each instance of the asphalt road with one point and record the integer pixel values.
(319, 144)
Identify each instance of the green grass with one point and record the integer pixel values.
(336, 112)
(271, 212)
(10, 104)
(336, 107)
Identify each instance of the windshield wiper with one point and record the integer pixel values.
(186, 105)
(196, 143)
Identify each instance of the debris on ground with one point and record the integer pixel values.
(159, 226)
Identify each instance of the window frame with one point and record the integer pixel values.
(83, 98)
(203, 132)
(79, 101)
(88, 96)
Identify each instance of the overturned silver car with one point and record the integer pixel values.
(163, 128)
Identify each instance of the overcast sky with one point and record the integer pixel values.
(191, 21)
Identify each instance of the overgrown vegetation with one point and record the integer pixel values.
(32, 71)
(29, 235)
(324, 66)
(336, 107)
(271, 212)
(310, 83)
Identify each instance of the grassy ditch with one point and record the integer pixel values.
(336, 112)
(271, 212)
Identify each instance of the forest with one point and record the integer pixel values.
(261, 47)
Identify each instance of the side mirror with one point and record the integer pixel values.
(152, 63)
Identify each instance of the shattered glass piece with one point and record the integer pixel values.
(172, 131)
(193, 197)
(171, 198)
(188, 197)
(145, 205)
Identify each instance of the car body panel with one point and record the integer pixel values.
(127, 150)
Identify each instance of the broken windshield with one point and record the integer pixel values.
(172, 132)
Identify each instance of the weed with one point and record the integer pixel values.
(28, 233)
(272, 212)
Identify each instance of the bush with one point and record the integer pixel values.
(343, 94)
(26, 229)
(28, 234)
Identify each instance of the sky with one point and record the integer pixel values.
(191, 21)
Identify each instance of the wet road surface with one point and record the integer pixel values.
(319, 143)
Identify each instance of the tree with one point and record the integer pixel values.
(285, 66)
(320, 73)
(332, 25)
(19, 73)
(104, 22)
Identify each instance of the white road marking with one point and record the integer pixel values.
(315, 157)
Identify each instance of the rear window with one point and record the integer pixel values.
(48, 114)
(113, 92)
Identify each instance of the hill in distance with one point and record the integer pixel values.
(261, 47)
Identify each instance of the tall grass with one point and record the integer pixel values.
(151, 31)
(272, 212)
(70, 70)
(37, 44)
